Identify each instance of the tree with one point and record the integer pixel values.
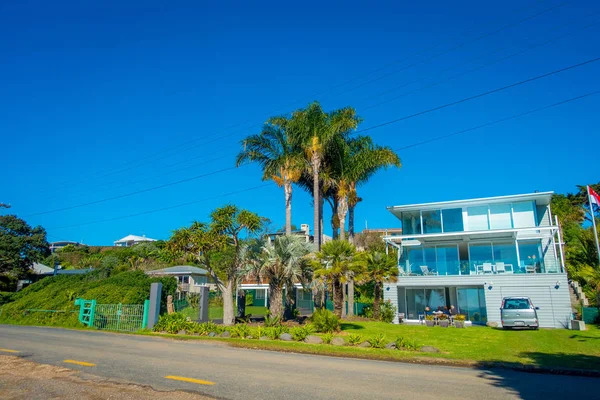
(333, 264)
(379, 268)
(282, 264)
(280, 161)
(20, 245)
(314, 130)
(217, 247)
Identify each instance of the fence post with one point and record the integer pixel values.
(154, 309)
(92, 312)
(203, 304)
(145, 317)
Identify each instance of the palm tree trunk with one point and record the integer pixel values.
(351, 297)
(338, 297)
(376, 300)
(351, 224)
(342, 211)
(344, 312)
(287, 188)
(228, 311)
(321, 204)
(317, 201)
(334, 220)
(275, 300)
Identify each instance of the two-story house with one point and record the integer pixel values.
(472, 253)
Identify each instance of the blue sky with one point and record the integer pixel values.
(101, 99)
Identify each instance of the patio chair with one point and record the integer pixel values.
(487, 268)
(500, 269)
(425, 270)
(530, 269)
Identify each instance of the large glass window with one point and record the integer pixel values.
(506, 253)
(453, 220)
(415, 302)
(500, 216)
(447, 260)
(415, 260)
(432, 221)
(471, 303)
(480, 253)
(435, 298)
(477, 218)
(411, 223)
(530, 256)
(523, 215)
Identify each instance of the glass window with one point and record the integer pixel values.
(530, 256)
(411, 223)
(432, 221)
(480, 253)
(435, 298)
(200, 280)
(415, 302)
(184, 279)
(506, 253)
(471, 303)
(516, 304)
(447, 260)
(415, 260)
(523, 216)
(477, 218)
(430, 261)
(500, 216)
(453, 220)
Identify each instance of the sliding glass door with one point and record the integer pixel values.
(471, 303)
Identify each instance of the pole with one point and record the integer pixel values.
(593, 223)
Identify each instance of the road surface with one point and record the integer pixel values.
(216, 370)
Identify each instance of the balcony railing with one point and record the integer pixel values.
(481, 268)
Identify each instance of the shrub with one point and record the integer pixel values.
(300, 333)
(272, 321)
(429, 317)
(257, 333)
(368, 312)
(327, 338)
(171, 323)
(442, 317)
(378, 342)
(249, 299)
(355, 339)
(325, 321)
(241, 331)
(388, 312)
(406, 344)
(459, 317)
(274, 332)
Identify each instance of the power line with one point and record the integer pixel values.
(479, 95)
(165, 208)
(137, 163)
(498, 121)
(134, 193)
(398, 149)
(362, 130)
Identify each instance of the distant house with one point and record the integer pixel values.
(189, 278)
(303, 232)
(131, 240)
(39, 271)
(60, 244)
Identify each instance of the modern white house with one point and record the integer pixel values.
(472, 253)
(131, 240)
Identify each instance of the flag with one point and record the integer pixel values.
(594, 197)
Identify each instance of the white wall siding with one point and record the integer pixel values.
(554, 301)
(390, 293)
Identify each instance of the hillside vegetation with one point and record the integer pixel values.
(58, 293)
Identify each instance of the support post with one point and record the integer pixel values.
(146, 310)
(154, 309)
(241, 304)
(203, 304)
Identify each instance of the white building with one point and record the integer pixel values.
(131, 240)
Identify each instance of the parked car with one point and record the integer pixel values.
(519, 312)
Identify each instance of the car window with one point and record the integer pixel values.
(516, 304)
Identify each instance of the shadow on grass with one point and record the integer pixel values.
(349, 325)
(583, 338)
(545, 382)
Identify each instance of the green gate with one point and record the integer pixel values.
(115, 317)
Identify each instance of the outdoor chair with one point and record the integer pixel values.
(425, 270)
(500, 269)
(487, 268)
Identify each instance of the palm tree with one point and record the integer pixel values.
(333, 263)
(282, 263)
(379, 268)
(279, 160)
(315, 130)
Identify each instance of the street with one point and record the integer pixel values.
(217, 370)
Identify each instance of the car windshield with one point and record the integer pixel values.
(516, 304)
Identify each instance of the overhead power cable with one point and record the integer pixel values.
(481, 126)
(512, 85)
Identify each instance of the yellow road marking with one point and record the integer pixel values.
(85, 364)
(10, 351)
(192, 380)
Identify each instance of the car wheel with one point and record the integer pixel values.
(506, 328)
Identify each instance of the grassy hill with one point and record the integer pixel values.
(58, 293)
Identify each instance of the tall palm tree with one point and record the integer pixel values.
(333, 263)
(280, 161)
(315, 130)
(282, 263)
(379, 268)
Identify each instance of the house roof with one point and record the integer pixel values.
(179, 270)
(39, 269)
(541, 198)
(135, 238)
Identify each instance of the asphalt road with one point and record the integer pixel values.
(232, 373)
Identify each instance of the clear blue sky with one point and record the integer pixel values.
(100, 99)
